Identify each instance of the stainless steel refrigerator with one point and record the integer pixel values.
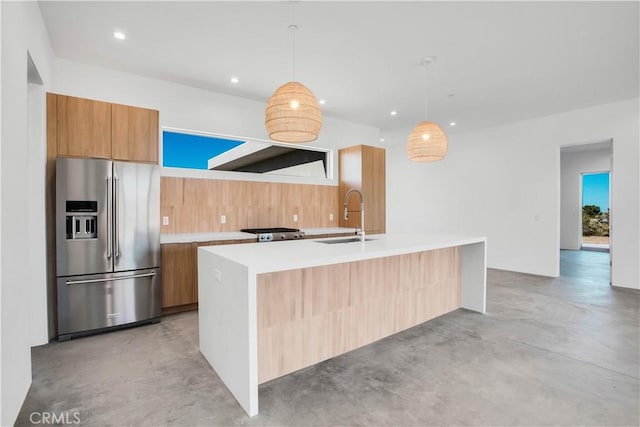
(108, 245)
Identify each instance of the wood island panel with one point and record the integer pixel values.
(312, 314)
(325, 289)
(282, 297)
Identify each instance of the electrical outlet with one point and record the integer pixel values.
(331, 217)
(295, 217)
(223, 219)
(218, 275)
(165, 220)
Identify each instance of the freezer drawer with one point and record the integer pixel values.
(91, 303)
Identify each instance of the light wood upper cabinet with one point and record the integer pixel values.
(84, 127)
(88, 128)
(134, 133)
(363, 168)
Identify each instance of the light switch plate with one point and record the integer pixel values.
(165, 220)
(223, 219)
(295, 217)
(330, 217)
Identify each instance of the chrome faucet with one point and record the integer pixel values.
(346, 212)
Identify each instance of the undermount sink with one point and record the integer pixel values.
(349, 240)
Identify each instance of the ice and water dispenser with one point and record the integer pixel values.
(82, 219)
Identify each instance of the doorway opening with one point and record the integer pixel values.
(586, 211)
(595, 211)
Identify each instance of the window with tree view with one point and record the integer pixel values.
(595, 208)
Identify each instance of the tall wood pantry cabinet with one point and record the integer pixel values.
(362, 167)
(86, 128)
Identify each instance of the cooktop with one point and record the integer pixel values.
(275, 233)
(269, 230)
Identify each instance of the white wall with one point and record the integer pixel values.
(572, 165)
(192, 108)
(1, 187)
(504, 182)
(36, 180)
(22, 30)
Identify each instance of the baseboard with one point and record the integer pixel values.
(179, 308)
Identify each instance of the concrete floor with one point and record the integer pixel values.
(548, 352)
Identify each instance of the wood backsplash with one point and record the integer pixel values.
(195, 205)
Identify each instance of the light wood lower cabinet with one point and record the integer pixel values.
(178, 278)
(180, 274)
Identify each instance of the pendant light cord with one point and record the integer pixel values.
(425, 90)
(293, 27)
(293, 48)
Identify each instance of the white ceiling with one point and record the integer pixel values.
(498, 62)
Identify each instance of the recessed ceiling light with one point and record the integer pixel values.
(452, 123)
(322, 101)
(234, 80)
(394, 113)
(381, 139)
(119, 35)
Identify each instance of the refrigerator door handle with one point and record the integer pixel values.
(116, 248)
(111, 279)
(109, 219)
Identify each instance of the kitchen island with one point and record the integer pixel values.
(268, 309)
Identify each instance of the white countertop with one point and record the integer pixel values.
(328, 230)
(237, 235)
(291, 254)
(204, 237)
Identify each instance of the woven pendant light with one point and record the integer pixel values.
(427, 142)
(293, 114)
